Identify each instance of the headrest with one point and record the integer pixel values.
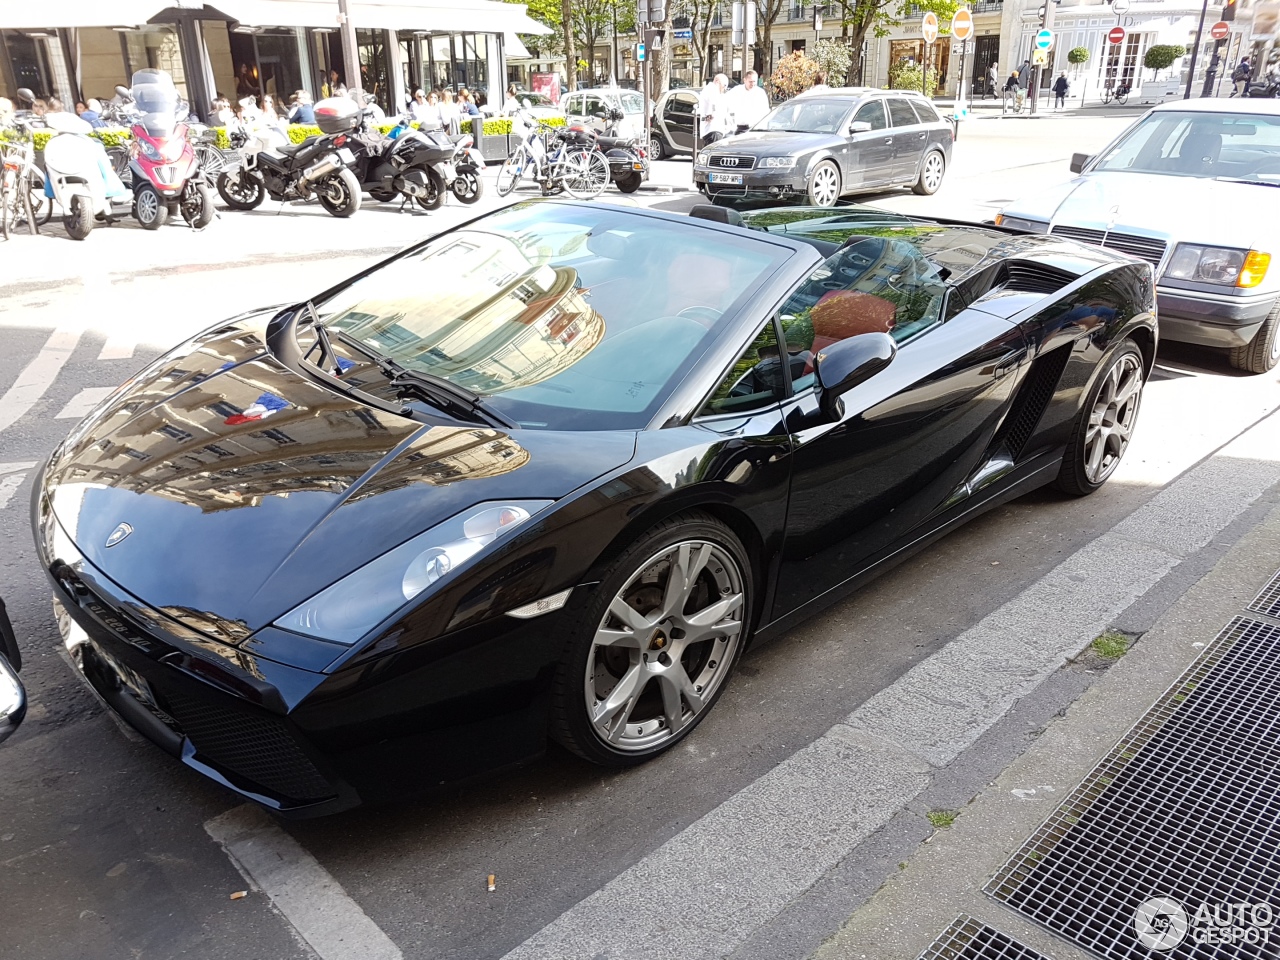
(708, 211)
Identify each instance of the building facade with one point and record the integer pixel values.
(77, 49)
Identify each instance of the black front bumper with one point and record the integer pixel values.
(756, 184)
(1211, 321)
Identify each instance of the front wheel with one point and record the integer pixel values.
(649, 650)
(931, 172)
(241, 190)
(79, 221)
(150, 209)
(339, 193)
(584, 174)
(512, 169)
(468, 187)
(1104, 425)
(657, 149)
(629, 183)
(1262, 353)
(197, 208)
(824, 185)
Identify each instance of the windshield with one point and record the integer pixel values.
(156, 99)
(806, 116)
(560, 317)
(1193, 144)
(632, 103)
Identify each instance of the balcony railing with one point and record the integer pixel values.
(988, 6)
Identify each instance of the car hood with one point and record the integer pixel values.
(775, 144)
(1192, 209)
(248, 487)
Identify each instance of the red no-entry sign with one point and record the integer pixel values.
(1116, 35)
(1219, 30)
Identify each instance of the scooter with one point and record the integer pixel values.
(628, 164)
(167, 177)
(468, 162)
(79, 176)
(431, 151)
(386, 166)
(316, 167)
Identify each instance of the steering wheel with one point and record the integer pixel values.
(704, 315)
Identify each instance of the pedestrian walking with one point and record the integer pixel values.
(747, 102)
(1060, 88)
(1240, 77)
(1011, 93)
(1024, 75)
(993, 82)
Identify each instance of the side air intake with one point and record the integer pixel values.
(1034, 277)
(1032, 399)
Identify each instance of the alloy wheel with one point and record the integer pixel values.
(932, 175)
(824, 189)
(148, 206)
(664, 646)
(1111, 421)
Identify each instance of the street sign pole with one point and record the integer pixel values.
(1191, 72)
(929, 34)
(1220, 32)
(1046, 23)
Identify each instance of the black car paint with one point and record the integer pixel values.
(451, 687)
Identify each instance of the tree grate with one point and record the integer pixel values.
(1186, 806)
(1267, 602)
(970, 939)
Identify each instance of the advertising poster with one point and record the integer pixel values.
(547, 84)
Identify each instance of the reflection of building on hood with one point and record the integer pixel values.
(503, 322)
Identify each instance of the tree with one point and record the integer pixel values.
(833, 58)
(592, 20)
(570, 49)
(767, 14)
(1078, 55)
(698, 13)
(906, 76)
(858, 18)
(1161, 56)
(793, 74)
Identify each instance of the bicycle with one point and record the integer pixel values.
(555, 161)
(22, 198)
(1118, 93)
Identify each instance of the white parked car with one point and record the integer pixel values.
(584, 106)
(1194, 188)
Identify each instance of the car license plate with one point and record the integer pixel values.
(346, 156)
(726, 178)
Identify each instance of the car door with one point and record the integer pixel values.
(677, 119)
(865, 480)
(909, 137)
(871, 151)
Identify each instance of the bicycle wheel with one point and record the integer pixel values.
(6, 204)
(512, 169)
(1122, 97)
(1106, 94)
(584, 173)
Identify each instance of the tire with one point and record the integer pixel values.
(36, 207)
(198, 210)
(932, 169)
(512, 169)
(1103, 427)
(468, 187)
(824, 185)
(7, 199)
(150, 209)
(661, 698)
(1262, 353)
(657, 149)
(339, 193)
(585, 174)
(435, 192)
(241, 190)
(630, 183)
(79, 222)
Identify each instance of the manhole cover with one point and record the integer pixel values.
(1171, 846)
(970, 939)
(1267, 602)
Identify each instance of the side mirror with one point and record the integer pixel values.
(859, 126)
(846, 363)
(26, 95)
(600, 115)
(1078, 161)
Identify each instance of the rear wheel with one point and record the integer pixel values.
(241, 190)
(339, 193)
(629, 183)
(1262, 353)
(468, 187)
(8, 200)
(931, 171)
(650, 649)
(79, 220)
(435, 192)
(584, 174)
(657, 149)
(512, 169)
(37, 208)
(824, 185)
(1104, 425)
(149, 208)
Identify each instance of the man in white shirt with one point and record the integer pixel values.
(819, 86)
(714, 110)
(748, 102)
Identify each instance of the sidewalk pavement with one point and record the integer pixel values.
(943, 878)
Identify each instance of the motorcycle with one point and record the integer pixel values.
(628, 163)
(167, 177)
(1268, 86)
(386, 167)
(318, 166)
(79, 176)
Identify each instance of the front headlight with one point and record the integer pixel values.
(152, 153)
(1222, 265)
(780, 163)
(350, 608)
(1020, 223)
(704, 159)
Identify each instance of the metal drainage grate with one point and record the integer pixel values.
(1267, 602)
(970, 939)
(1186, 807)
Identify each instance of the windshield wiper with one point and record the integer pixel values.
(1258, 183)
(437, 391)
(328, 359)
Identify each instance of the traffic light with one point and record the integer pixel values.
(1229, 11)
